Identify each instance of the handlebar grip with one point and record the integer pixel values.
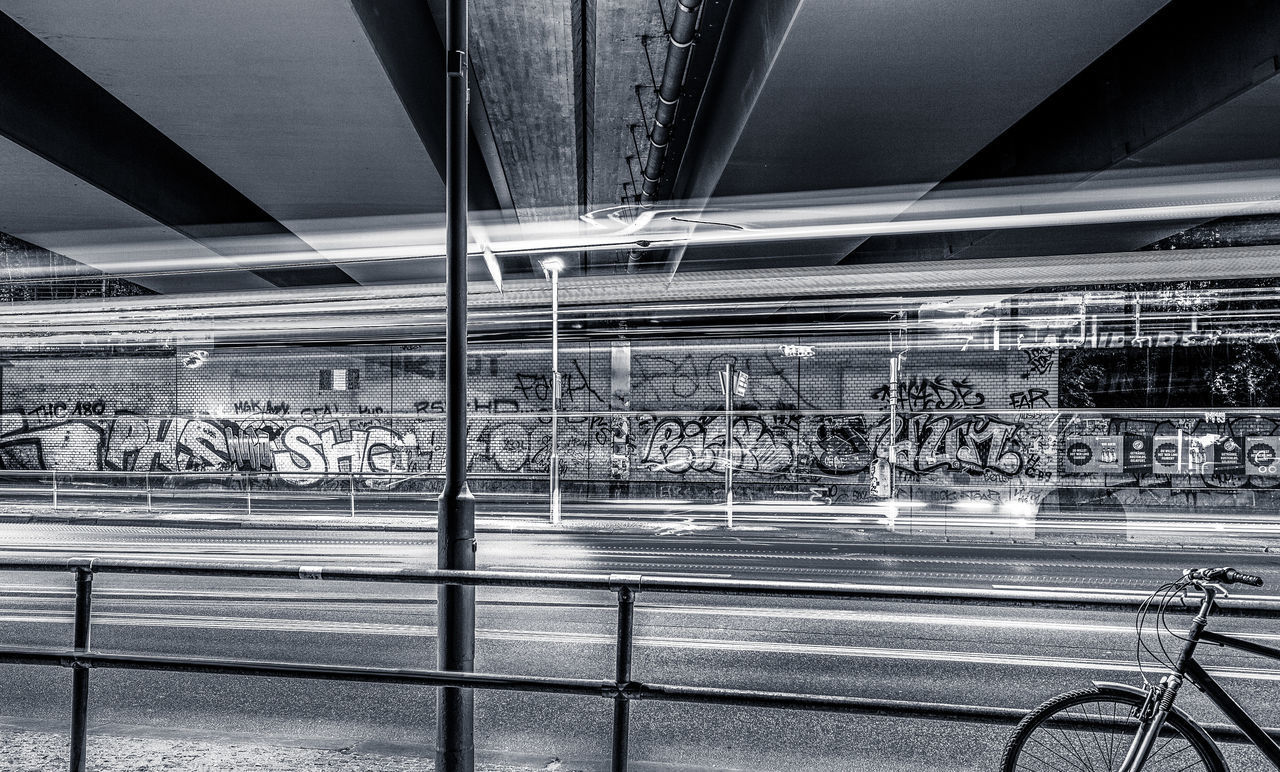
(1235, 577)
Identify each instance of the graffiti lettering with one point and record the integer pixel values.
(258, 406)
(1039, 361)
(841, 445)
(302, 455)
(62, 409)
(319, 411)
(920, 393)
(963, 443)
(796, 352)
(1029, 399)
(680, 445)
(494, 405)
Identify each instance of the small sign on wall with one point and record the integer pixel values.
(1137, 453)
(1227, 456)
(1262, 456)
(1109, 448)
(1169, 454)
(340, 379)
(1080, 454)
(1086, 454)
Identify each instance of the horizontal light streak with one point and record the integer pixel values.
(932, 656)
(1195, 194)
(37, 326)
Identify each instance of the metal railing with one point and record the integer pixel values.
(245, 489)
(622, 688)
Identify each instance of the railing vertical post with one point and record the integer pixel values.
(351, 489)
(79, 672)
(248, 494)
(622, 672)
(55, 488)
(147, 480)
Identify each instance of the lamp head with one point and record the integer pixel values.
(552, 265)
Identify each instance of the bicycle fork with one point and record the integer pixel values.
(1151, 718)
(1156, 709)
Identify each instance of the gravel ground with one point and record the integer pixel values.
(23, 751)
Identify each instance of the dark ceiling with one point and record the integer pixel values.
(164, 142)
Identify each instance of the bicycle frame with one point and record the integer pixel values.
(1238, 715)
(1187, 667)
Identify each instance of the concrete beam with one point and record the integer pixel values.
(57, 112)
(1187, 60)
(738, 42)
(405, 36)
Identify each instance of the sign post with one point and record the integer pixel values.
(734, 384)
(728, 445)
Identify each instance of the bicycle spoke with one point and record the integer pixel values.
(1094, 732)
(1050, 748)
(1175, 754)
(1069, 749)
(1111, 739)
(1094, 735)
(1044, 764)
(1157, 757)
(1079, 745)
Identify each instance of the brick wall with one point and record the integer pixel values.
(640, 420)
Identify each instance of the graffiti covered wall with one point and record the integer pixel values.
(811, 422)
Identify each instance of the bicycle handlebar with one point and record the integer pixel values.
(1226, 575)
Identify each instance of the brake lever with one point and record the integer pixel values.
(1221, 588)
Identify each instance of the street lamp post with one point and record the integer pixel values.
(728, 445)
(735, 384)
(895, 369)
(551, 268)
(894, 364)
(456, 513)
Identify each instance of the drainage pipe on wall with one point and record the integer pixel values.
(679, 45)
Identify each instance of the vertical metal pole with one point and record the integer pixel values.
(892, 435)
(351, 490)
(146, 477)
(728, 445)
(1179, 451)
(555, 397)
(622, 674)
(455, 531)
(248, 493)
(80, 673)
(55, 488)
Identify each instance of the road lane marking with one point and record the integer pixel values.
(681, 574)
(818, 615)
(866, 652)
(1135, 593)
(534, 636)
(649, 551)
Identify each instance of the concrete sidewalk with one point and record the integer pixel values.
(26, 748)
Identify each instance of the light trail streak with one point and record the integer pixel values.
(930, 656)
(1190, 194)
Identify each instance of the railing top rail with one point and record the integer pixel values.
(1236, 605)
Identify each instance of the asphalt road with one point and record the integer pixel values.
(942, 653)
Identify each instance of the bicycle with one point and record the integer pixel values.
(1113, 727)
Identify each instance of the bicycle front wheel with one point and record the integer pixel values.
(1090, 730)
